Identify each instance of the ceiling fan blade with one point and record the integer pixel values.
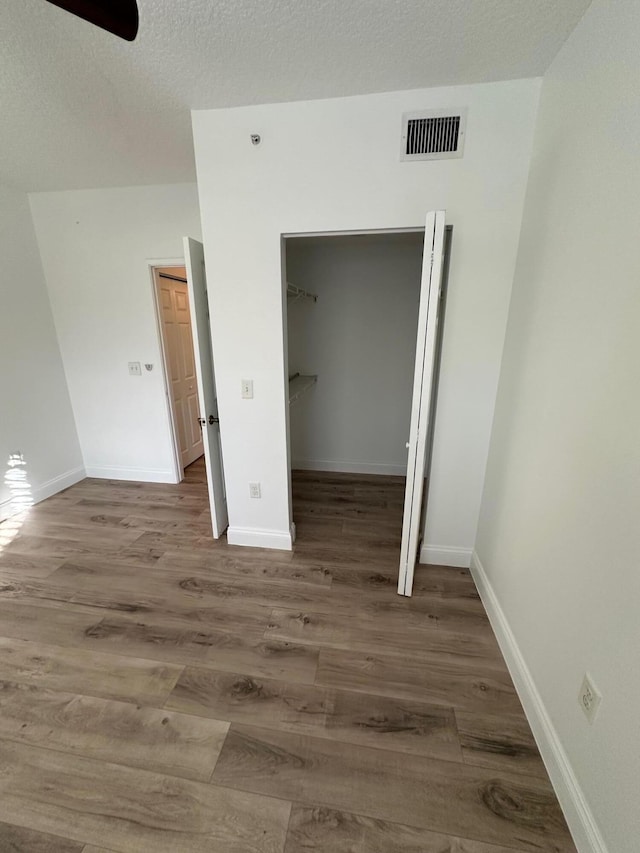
(119, 17)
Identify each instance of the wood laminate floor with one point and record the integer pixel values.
(160, 691)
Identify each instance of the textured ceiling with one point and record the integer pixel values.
(80, 108)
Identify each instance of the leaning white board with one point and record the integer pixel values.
(199, 306)
(431, 283)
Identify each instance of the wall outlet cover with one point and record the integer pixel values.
(254, 490)
(589, 698)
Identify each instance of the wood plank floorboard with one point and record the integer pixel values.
(500, 742)
(186, 644)
(518, 811)
(163, 597)
(109, 676)
(19, 839)
(19, 565)
(164, 691)
(460, 685)
(120, 732)
(175, 641)
(368, 635)
(94, 801)
(246, 567)
(377, 721)
(325, 830)
(90, 848)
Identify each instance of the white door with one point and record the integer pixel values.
(178, 341)
(198, 302)
(432, 267)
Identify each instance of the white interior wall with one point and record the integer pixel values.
(334, 165)
(559, 538)
(359, 337)
(95, 247)
(35, 412)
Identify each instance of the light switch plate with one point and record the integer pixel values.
(247, 389)
(134, 368)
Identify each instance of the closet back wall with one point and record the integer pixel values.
(359, 337)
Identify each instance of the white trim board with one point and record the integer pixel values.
(579, 817)
(252, 537)
(47, 489)
(5, 510)
(178, 471)
(384, 468)
(445, 555)
(57, 484)
(142, 475)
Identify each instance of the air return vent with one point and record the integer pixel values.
(433, 134)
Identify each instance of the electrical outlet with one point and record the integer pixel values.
(247, 389)
(134, 368)
(589, 698)
(254, 490)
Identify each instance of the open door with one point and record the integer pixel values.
(421, 407)
(209, 422)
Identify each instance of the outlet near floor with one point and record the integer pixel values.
(589, 698)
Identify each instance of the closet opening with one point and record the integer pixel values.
(351, 305)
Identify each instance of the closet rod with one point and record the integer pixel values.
(298, 384)
(298, 293)
(172, 277)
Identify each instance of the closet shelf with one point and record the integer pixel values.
(294, 293)
(298, 384)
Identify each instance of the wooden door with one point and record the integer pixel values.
(173, 299)
(199, 305)
(422, 405)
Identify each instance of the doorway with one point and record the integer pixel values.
(176, 335)
(356, 345)
(182, 314)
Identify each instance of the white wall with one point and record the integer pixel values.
(35, 412)
(95, 247)
(559, 534)
(360, 338)
(334, 165)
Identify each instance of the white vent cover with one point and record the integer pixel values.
(433, 134)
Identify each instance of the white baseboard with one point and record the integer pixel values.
(580, 819)
(141, 475)
(46, 490)
(57, 484)
(349, 467)
(5, 510)
(446, 555)
(255, 538)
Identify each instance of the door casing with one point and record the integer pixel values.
(153, 265)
